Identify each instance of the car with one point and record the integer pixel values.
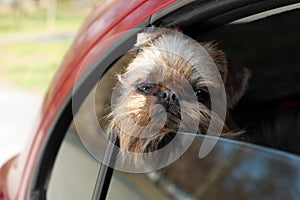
(69, 155)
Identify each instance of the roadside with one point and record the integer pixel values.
(31, 59)
(18, 110)
(41, 36)
(30, 52)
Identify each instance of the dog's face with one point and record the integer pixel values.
(167, 89)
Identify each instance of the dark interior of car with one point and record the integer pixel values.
(269, 111)
(268, 46)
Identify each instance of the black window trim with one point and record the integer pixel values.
(212, 14)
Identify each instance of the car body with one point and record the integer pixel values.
(108, 33)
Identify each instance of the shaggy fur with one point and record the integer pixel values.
(155, 99)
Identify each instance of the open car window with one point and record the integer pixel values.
(269, 113)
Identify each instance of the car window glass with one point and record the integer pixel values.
(232, 170)
(75, 170)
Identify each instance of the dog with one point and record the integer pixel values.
(167, 88)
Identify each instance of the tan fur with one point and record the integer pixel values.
(168, 59)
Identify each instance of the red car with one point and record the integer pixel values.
(61, 163)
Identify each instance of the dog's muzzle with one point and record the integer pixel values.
(168, 99)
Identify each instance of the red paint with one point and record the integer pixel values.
(3, 177)
(119, 16)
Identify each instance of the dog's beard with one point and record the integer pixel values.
(145, 121)
(142, 121)
(145, 124)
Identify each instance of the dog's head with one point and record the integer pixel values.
(168, 87)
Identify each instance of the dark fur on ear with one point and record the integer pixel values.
(218, 57)
(236, 83)
(234, 75)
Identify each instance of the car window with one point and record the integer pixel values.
(232, 170)
(269, 110)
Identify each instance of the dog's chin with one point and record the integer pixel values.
(160, 142)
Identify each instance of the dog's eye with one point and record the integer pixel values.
(202, 95)
(146, 88)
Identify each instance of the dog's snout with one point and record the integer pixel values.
(169, 100)
(168, 96)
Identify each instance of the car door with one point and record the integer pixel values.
(79, 158)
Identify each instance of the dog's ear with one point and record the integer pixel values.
(234, 75)
(218, 57)
(236, 83)
(145, 38)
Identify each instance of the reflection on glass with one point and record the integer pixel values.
(75, 171)
(233, 170)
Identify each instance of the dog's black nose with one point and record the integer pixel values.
(169, 100)
(168, 96)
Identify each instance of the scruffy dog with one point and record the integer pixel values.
(168, 87)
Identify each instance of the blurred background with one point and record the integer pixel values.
(34, 37)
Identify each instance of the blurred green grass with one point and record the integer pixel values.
(31, 64)
(36, 21)
(67, 18)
